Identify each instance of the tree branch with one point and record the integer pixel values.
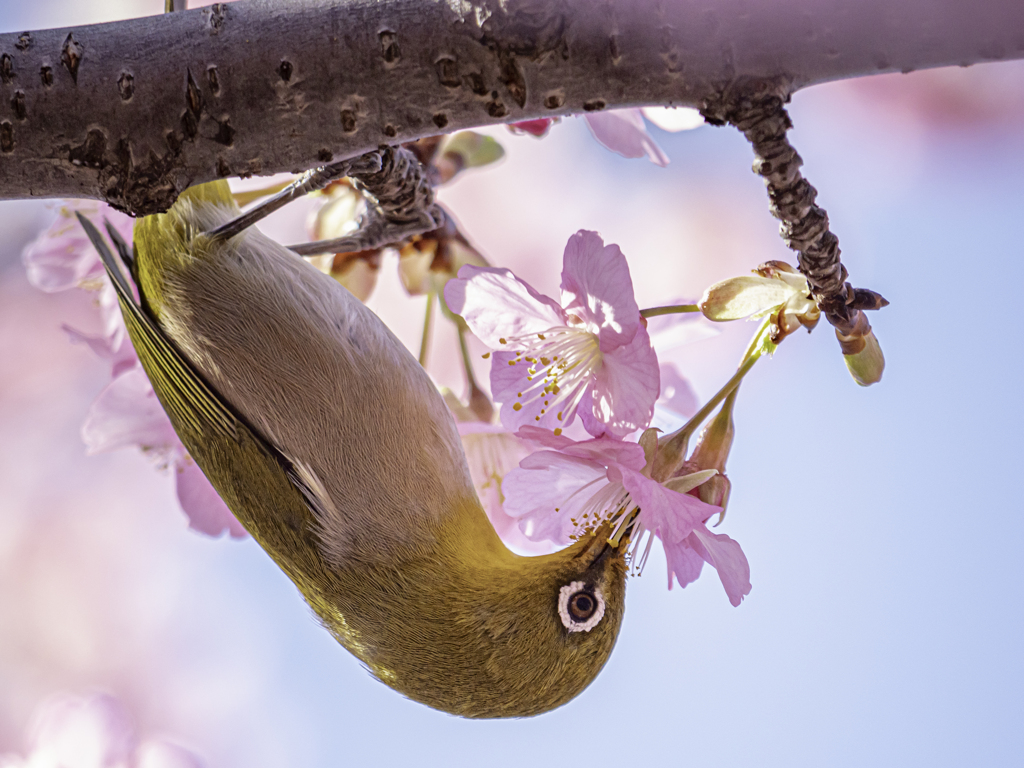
(135, 111)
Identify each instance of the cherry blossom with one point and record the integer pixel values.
(491, 452)
(590, 354)
(572, 488)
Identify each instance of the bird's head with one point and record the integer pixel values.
(478, 631)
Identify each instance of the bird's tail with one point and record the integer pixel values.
(115, 269)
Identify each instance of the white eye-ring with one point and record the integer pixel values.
(580, 607)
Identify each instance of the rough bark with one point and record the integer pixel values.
(135, 111)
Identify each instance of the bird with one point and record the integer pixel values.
(334, 449)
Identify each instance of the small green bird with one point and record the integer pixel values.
(331, 445)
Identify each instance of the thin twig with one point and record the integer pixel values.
(756, 108)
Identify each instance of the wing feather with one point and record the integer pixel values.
(190, 401)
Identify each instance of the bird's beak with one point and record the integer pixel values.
(598, 548)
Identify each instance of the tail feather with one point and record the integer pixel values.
(117, 277)
(126, 252)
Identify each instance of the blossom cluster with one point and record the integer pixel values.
(588, 355)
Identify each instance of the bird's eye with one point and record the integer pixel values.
(580, 607)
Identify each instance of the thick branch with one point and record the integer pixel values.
(135, 111)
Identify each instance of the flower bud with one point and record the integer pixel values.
(339, 215)
(863, 357)
(715, 441)
(414, 260)
(538, 127)
(716, 491)
(356, 271)
(480, 404)
(740, 297)
(429, 261)
(775, 289)
(466, 150)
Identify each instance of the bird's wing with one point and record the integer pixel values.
(192, 405)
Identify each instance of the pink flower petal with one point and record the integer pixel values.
(676, 392)
(548, 489)
(497, 305)
(624, 131)
(543, 437)
(608, 452)
(727, 558)
(56, 264)
(673, 516)
(597, 288)
(74, 732)
(127, 412)
(492, 452)
(626, 386)
(101, 344)
(683, 562)
(206, 511)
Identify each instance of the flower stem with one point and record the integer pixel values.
(479, 403)
(672, 448)
(466, 362)
(669, 310)
(428, 324)
(698, 418)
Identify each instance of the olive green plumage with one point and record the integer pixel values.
(335, 451)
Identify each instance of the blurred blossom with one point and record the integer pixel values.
(426, 263)
(677, 393)
(463, 150)
(590, 355)
(340, 208)
(70, 731)
(62, 257)
(950, 97)
(127, 411)
(673, 119)
(624, 131)
(538, 127)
